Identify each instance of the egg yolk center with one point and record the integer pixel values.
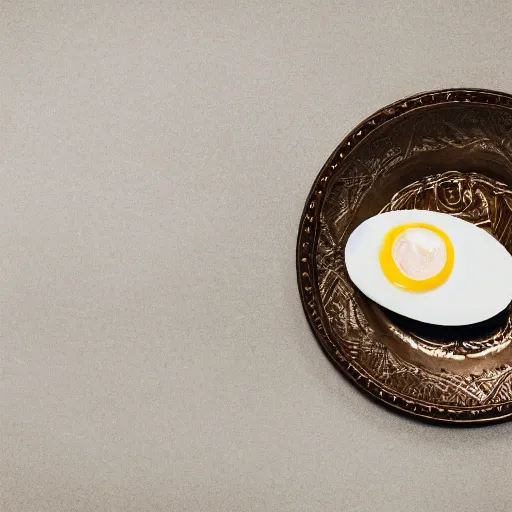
(416, 257)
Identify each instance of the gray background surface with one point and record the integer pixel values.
(155, 158)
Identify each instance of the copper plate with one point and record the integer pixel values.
(447, 151)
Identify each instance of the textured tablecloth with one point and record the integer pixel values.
(155, 159)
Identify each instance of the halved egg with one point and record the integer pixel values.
(431, 267)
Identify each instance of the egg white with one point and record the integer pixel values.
(478, 288)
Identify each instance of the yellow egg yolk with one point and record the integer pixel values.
(416, 257)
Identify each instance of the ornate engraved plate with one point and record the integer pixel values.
(447, 151)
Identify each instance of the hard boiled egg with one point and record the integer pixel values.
(430, 267)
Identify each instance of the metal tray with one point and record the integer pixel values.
(447, 151)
